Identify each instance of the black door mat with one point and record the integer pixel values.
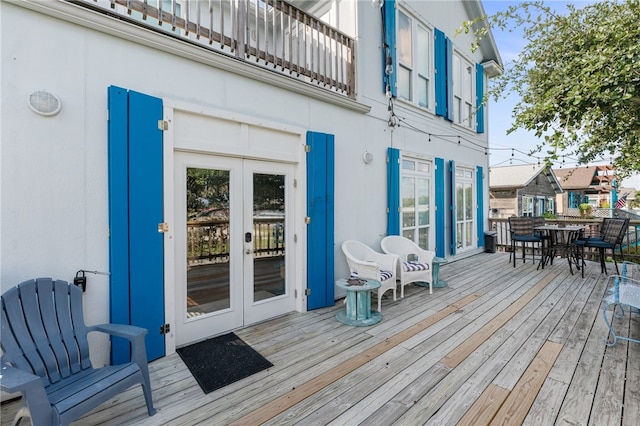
(222, 360)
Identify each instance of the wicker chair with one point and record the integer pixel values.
(366, 263)
(414, 264)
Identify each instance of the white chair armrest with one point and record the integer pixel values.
(426, 256)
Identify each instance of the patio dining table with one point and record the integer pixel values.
(559, 242)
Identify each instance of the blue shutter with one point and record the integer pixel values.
(480, 204)
(136, 248)
(440, 207)
(449, 61)
(393, 191)
(320, 231)
(146, 211)
(389, 29)
(118, 153)
(443, 64)
(479, 98)
(440, 64)
(452, 207)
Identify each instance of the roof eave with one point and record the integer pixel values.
(488, 47)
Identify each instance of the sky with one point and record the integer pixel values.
(500, 113)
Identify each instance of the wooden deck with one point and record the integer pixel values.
(499, 345)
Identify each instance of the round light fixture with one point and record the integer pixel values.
(44, 103)
(367, 157)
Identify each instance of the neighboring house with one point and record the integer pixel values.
(588, 184)
(211, 174)
(523, 190)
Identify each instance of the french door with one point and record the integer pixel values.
(464, 209)
(232, 236)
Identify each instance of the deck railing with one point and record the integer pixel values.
(269, 33)
(208, 240)
(629, 245)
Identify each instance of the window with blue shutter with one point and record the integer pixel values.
(479, 98)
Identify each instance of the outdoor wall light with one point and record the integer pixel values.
(44, 103)
(377, 3)
(367, 157)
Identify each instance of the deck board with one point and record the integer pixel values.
(428, 361)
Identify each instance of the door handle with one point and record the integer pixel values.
(248, 251)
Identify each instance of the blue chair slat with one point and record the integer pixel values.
(89, 383)
(10, 346)
(69, 338)
(14, 309)
(79, 329)
(46, 354)
(48, 310)
(31, 301)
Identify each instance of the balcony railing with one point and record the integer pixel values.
(272, 34)
(208, 240)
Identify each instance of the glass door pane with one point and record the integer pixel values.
(208, 282)
(268, 236)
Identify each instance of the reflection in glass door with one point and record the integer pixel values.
(208, 277)
(268, 236)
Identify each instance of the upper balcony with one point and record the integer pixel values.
(271, 34)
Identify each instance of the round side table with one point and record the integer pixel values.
(358, 303)
(437, 282)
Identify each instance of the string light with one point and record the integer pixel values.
(396, 121)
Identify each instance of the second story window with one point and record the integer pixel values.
(414, 69)
(463, 91)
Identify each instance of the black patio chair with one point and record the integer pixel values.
(612, 232)
(521, 230)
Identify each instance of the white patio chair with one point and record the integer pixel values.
(366, 263)
(415, 263)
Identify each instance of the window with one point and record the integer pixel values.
(464, 208)
(416, 201)
(527, 206)
(463, 91)
(414, 46)
(541, 205)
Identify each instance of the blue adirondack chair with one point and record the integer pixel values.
(46, 354)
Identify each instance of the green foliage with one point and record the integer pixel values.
(549, 215)
(585, 210)
(635, 203)
(578, 79)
